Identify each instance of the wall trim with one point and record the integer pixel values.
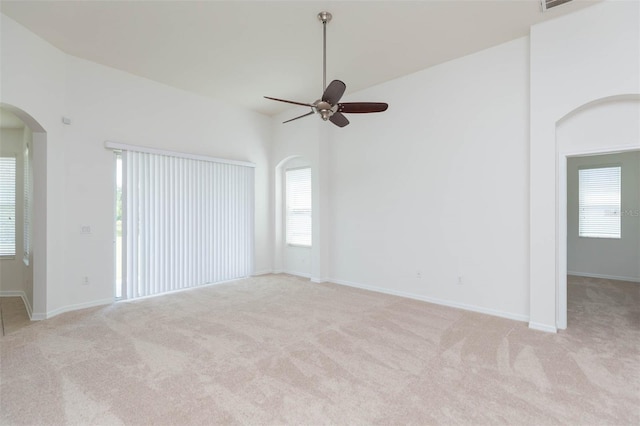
(449, 303)
(180, 290)
(262, 272)
(21, 294)
(542, 327)
(298, 274)
(70, 308)
(27, 305)
(603, 276)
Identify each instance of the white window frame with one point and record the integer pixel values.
(600, 203)
(27, 205)
(302, 239)
(7, 255)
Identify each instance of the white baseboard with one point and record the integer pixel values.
(13, 293)
(542, 327)
(317, 280)
(27, 305)
(21, 294)
(78, 306)
(451, 304)
(606, 277)
(180, 290)
(298, 274)
(262, 272)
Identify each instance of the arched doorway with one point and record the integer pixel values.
(31, 214)
(603, 126)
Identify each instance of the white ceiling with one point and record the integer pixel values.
(238, 51)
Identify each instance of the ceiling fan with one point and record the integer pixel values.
(328, 105)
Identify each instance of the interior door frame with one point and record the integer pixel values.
(562, 244)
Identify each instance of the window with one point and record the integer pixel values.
(118, 217)
(27, 206)
(599, 202)
(298, 192)
(7, 206)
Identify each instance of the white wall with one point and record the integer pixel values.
(438, 185)
(11, 270)
(458, 177)
(32, 80)
(106, 104)
(603, 257)
(575, 59)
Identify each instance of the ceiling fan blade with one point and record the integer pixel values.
(334, 92)
(303, 115)
(362, 107)
(290, 102)
(338, 119)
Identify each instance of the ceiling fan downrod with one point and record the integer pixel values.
(325, 18)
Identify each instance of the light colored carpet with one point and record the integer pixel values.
(280, 350)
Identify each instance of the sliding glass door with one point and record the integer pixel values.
(185, 222)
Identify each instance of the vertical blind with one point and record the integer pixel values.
(599, 202)
(187, 222)
(7, 206)
(298, 195)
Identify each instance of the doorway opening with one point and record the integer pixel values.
(600, 134)
(24, 268)
(603, 229)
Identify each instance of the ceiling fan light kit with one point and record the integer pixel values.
(328, 106)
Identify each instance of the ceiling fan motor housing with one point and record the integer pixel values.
(325, 17)
(325, 109)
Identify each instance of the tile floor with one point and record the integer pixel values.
(13, 314)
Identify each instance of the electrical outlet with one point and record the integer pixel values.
(85, 229)
(85, 281)
(418, 274)
(460, 281)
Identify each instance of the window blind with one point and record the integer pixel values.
(298, 200)
(599, 202)
(187, 222)
(7, 206)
